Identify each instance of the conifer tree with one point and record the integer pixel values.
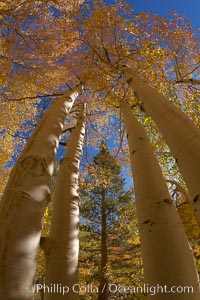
(106, 190)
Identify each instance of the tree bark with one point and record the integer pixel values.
(167, 256)
(62, 263)
(189, 81)
(103, 290)
(182, 136)
(24, 201)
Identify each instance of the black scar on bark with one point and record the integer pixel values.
(196, 198)
(169, 201)
(129, 80)
(146, 222)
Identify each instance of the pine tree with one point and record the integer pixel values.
(100, 209)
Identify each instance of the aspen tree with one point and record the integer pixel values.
(182, 136)
(62, 262)
(167, 257)
(25, 199)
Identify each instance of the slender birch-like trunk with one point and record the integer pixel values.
(25, 199)
(167, 256)
(182, 136)
(62, 262)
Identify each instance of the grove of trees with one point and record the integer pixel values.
(89, 89)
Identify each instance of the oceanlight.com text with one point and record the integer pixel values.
(115, 289)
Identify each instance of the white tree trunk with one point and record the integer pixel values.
(182, 136)
(167, 256)
(62, 262)
(25, 199)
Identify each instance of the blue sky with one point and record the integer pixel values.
(191, 8)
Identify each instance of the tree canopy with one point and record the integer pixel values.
(54, 50)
